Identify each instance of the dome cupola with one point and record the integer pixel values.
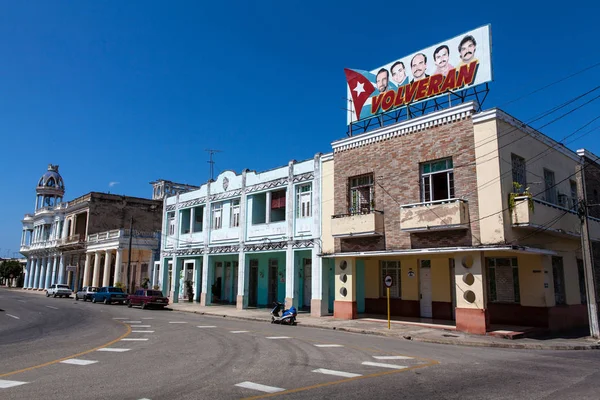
(50, 188)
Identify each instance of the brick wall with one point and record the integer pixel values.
(395, 167)
(108, 212)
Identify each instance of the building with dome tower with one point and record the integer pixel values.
(98, 239)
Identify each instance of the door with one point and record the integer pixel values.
(235, 282)
(253, 283)
(272, 293)
(425, 286)
(218, 285)
(307, 281)
(453, 287)
(228, 281)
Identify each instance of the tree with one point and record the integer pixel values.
(10, 267)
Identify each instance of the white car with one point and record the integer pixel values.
(59, 290)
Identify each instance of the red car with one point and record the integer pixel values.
(146, 298)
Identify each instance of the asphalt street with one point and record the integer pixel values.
(67, 349)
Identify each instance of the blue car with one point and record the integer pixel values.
(109, 295)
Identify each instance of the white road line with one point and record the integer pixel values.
(140, 326)
(278, 337)
(392, 358)
(238, 331)
(206, 326)
(259, 387)
(54, 308)
(13, 316)
(148, 318)
(382, 365)
(77, 361)
(22, 301)
(142, 331)
(178, 322)
(336, 373)
(113, 350)
(329, 345)
(6, 384)
(132, 322)
(120, 318)
(134, 339)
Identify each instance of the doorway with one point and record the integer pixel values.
(253, 284)
(307, 281)
(425, 287)
(273, 282)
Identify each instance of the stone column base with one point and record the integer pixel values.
(240, 303)
(203, 299)
(318, 308)
(345, 309)
(289, 301)
(472, 320)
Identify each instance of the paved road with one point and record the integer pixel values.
(172, 355)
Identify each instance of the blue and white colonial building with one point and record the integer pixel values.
(247, 239)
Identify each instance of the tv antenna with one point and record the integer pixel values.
(211, 161)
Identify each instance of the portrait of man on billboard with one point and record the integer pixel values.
(399, 74)
(440, 58)
(418, 65)
(383, 80)
(466, 49)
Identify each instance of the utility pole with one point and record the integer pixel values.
(211, 162)
(586, 249)
(129, 253)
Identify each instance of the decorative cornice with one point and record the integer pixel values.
(224, 249)
(443, 117)
(265, 246)
(267, 185)
(191, 203)
(226, 195)
(304, 177)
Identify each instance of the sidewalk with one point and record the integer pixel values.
(400, 330)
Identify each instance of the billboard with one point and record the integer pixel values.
(454, 64)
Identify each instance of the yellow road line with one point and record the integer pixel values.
(71, 356)
(320, 385)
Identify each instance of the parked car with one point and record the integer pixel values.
(86, 293)
(146, 298)
(109, 295)
(59, 290)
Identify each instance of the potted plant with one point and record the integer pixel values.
(189, 290)
(145, 282)
(518, 191)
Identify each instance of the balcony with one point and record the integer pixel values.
(357, 225)
(73, 242)
(551, 218)
(441, 215)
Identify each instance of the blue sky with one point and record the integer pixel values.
(133, 91)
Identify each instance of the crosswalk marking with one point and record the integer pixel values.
(329, 345)
(132, 322)
(206, 326)
(112, 349)
(238, 331)
(278, 337)
(7, 384)
(134, 339)
(119, 318)
(259, 387)
(392, 358)
(148, 318)
(141, 326)
(142, 331)
(12, 316)
(178, 322)
(54, 308)
(336, 373)
(77, 361)
(382, 365)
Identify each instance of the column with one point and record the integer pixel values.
(164, 271)
(268, 208)
(175, 279)
(27, 273)
(118, 266)
(151, 269)
(471, 312)
(54, 278)
(344, 306)
(61, 270)
(243, 282)
(36, 273)
(318, 302)
(41, 283)
(48, 272)
(197, 279)
(86, 269)
(290, 277)
(206, 295)
(153, 278)
(106, 274)
(96, 279)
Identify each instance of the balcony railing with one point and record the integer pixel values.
(550, 218)
(120, 233)
(435, 215)
(71, 240)
(369, 223)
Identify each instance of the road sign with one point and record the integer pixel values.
(388, 281)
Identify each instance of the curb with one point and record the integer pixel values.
(518, 346)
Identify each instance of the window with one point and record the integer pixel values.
(393, 269)
(217, 216)
(581, 274)
(518, 172)
(198, 217)
(437, 180)
(503, 280)
(549, 187)
(184, 220)
(235, 212)
(171, 222)
(361, 194)
(303, 200)
(277, 206)
(559, 281)
(574, 201)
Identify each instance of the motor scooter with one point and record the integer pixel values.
(288, 317)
